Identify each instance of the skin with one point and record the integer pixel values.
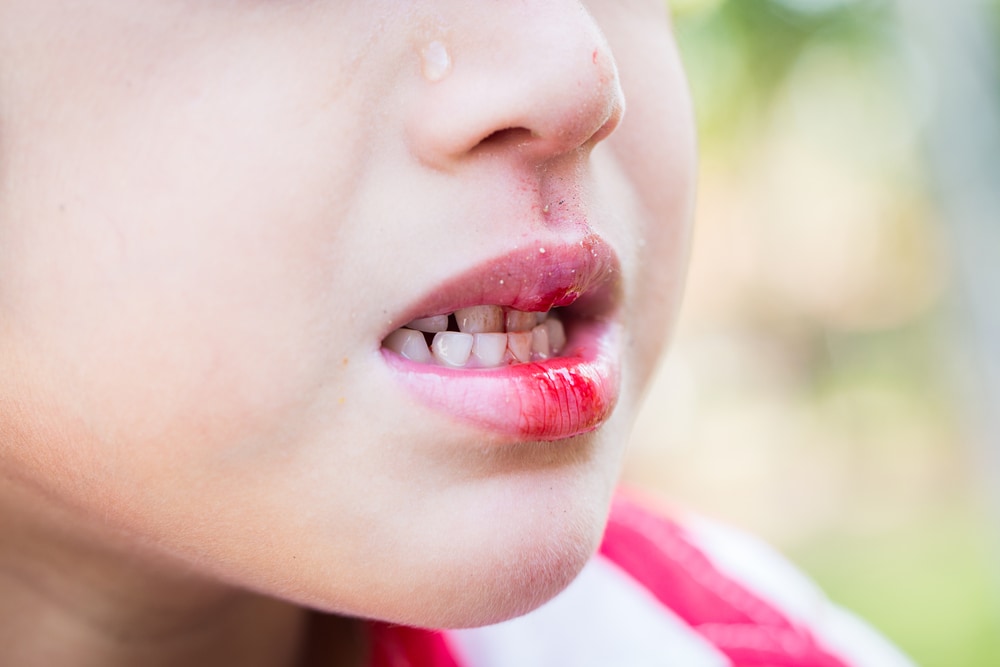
(209, 211)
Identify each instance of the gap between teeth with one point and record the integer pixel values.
(486, 337)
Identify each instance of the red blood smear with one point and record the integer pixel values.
(564, 401)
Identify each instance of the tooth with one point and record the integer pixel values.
(557, 334)
(488, 349)
(430, 324)
(541, 317)
(540, 342)
(452, 348)
(519, 344)
(409, 344)
(480, 319)
(519, 321)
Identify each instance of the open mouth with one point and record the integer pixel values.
(523, 345)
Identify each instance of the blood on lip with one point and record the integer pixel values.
(550, 400)
(574, 400)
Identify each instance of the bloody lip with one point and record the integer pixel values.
(546, 400)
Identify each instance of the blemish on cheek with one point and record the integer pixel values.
(436, 61)
(595, 56)
(345, 361)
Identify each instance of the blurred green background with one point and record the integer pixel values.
(820, 391)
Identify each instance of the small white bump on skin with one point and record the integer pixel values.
(436, 61)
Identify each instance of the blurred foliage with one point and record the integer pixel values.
(922, 585)
(995, 6)
(740, 53)
(811, 394)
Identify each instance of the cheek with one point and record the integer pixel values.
(140, 338)
(203, 350)
(656, 151)
(153, 285)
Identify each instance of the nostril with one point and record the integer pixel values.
(507, 137)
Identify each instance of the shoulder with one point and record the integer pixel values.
(680, 591)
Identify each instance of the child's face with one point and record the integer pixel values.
(211, 215)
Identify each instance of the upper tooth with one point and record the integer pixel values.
(557, 334)
(452, 348)
(488, 349)
(520, 321)
(430, 324)
(480, 319)
(409, 344)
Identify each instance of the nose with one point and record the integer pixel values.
(532, 80)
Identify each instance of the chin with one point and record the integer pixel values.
(515, 550)
(512, 583)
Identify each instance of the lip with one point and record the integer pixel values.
(546, 400)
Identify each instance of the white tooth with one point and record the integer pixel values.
(488, 349)
(452, 348)
(557, 334)
(430, 324)
(519, 321)
(480, 319)
(519, 344)
(540, 342)
(409, 344)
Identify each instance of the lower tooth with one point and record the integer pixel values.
(452, 348)
(488, 349)
(519, 344)
(557, 335)
(409, 344)
(540, 343)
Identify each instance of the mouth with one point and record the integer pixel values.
(524, 345)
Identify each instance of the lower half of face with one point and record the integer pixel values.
(351, 306)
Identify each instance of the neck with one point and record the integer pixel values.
(67, 602)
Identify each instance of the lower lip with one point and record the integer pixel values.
(549, 400)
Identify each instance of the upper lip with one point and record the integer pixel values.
(535, 276)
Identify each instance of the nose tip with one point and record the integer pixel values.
(549, 88)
